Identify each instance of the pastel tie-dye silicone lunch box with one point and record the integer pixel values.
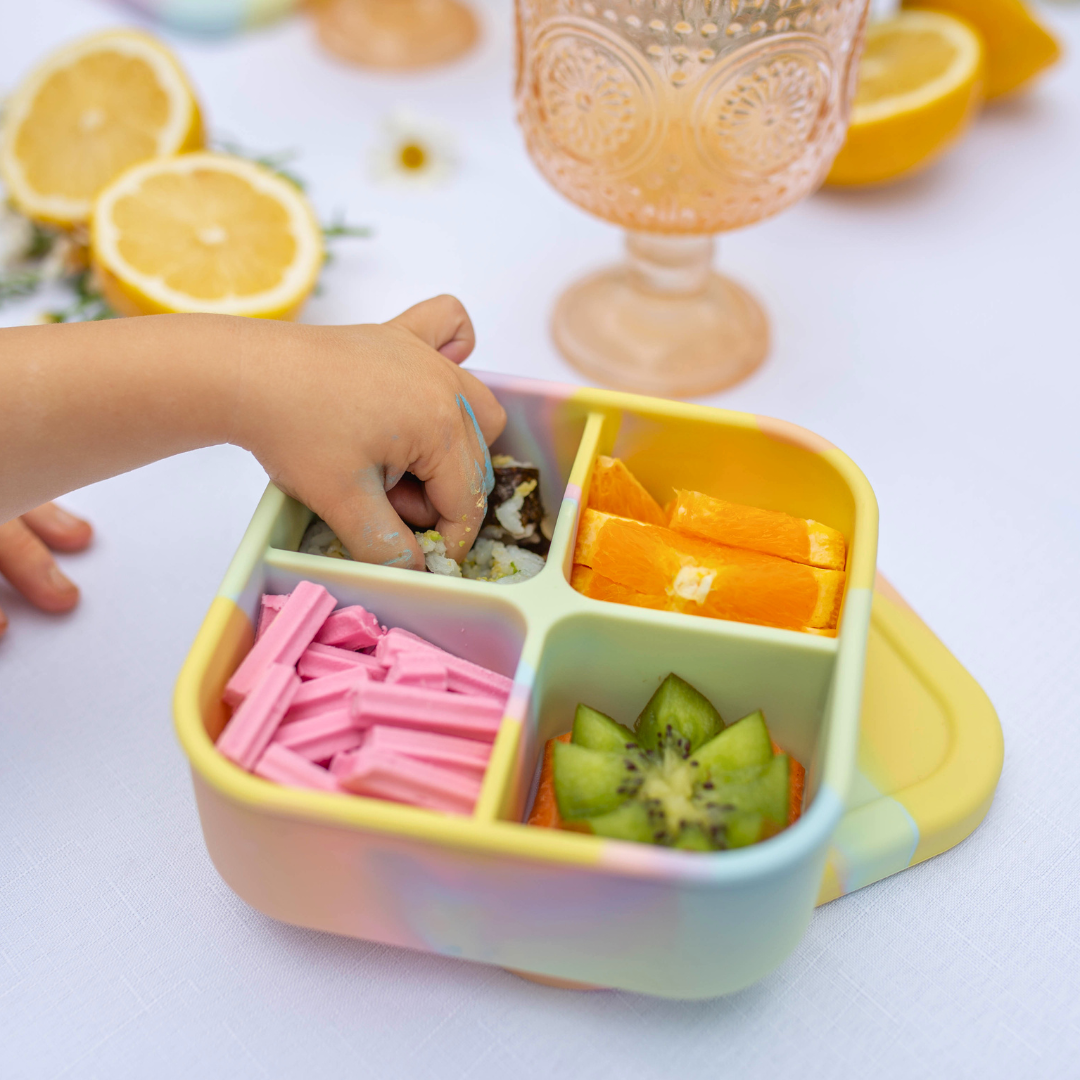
(894, 775)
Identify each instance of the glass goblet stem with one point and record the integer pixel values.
(663, 322)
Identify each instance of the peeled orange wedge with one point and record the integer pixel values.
(205, 232)
(768, 531)
(616, 490)
(920, 85)
(685, 574)
(1018, 47)
(91, 110)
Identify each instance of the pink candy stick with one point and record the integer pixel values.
(384, 775)
(444, 750)
(319, 660)
(464, 677)
(330, 693)
(269, 606)
(320, 737)
(467, 716)
(288, 636)
(283, 766)
(350, 628)
(419, 669)
(252, 726)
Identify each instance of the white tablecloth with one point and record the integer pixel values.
(928, 329)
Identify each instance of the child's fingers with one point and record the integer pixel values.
(372, 532)
(60, 530)
(413, 506)
(459, 483)
(443, 323)
(26, 562)
(490, 415)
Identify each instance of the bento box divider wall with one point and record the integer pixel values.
(600, 431)
(289, 527)
(510, 774)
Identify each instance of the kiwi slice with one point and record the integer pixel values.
(598, 731)
(745, 743)
(759, 789)
(677, 706)
(681, 780)
(631, 821)
(745, 829)
(590, 782)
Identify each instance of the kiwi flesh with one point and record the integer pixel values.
(678, 706)
(598, 731)
(746, 742)
(683, 782)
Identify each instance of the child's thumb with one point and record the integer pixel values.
(443, 323)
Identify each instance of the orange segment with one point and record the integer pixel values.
(708, 579)
(589, 583)
(545, 810)
(616, 490)
(597, 587)
(768, 531)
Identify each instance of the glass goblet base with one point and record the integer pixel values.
(663, 323)
(398, 34)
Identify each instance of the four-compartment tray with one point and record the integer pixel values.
(565, 905)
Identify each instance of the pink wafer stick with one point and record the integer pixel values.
(317, 661)
(465, 715)
(419, 669)
(269, 606)
(383, 775)
(331, 692)
(283, 766)
(291, 632)
(444, 750)
(252, 726)
(350, 628)
(463, 676)
(319, 738)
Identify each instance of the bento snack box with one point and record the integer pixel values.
(560, 905)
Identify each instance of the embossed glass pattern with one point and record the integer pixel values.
(687, 116)
(679, 119)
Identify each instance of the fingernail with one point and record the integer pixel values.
(58, 581)
(64, 519)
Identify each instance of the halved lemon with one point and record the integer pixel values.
(920, 85)
(205, 232)
(1018, 47)
(88, 112)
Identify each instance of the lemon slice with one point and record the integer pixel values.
(89, 111)
(205, 232)
(1018, 47)
(920, 85)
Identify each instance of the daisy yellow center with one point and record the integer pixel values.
(413, 157)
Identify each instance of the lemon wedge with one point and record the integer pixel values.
(920, 85)
(1017, 46)
(85, 114)
(205, 232)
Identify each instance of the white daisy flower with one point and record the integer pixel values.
(414, 150)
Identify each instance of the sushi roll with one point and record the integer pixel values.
(515, 513)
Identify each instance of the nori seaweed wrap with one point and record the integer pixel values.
(515, 513)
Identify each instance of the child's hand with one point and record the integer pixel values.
(26, 562)
(344, 417)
